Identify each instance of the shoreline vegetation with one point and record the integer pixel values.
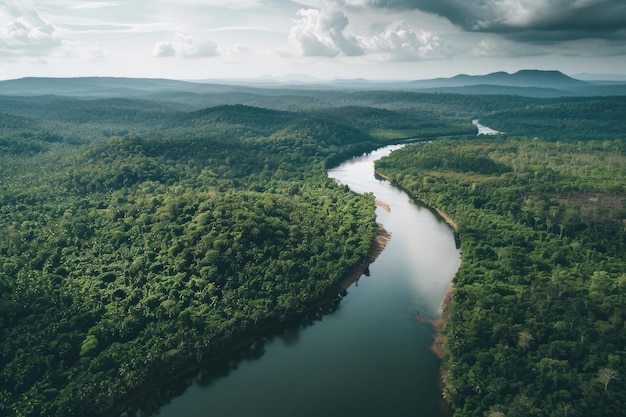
(141, 254)
(379, 243)
(378, 246)
(168, 227)
(441, 214)
(537, 301)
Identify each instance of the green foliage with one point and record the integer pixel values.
(537, 317)
(23, 136)
(564, 119)
(129, 259)
(396, 125)
(140, 237)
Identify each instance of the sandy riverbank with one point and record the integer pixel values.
(438, 346)
(383, 205)
(378, 245)
(441, 214)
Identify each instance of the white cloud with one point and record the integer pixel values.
(494, 46)
(165, 50)
(224, 4)
(484, 48)
(240, 49)
(92, 5)
(98, 53)
(186, 47)
(321, 33)
(80, 50)
(402, 42)
(244, 29)
(24, 32)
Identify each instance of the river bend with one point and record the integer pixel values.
(369, 356)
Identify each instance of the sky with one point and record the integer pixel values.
(326, 39)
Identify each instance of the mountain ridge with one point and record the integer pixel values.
(527, 82)
(522, 78)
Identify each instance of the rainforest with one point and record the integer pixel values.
(146, 234)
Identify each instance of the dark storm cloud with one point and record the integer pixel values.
(528, 20)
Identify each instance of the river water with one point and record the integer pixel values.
(484, 130)
(368, 356)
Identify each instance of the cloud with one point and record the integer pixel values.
(491, 46)
(186, 47)
(224, 4)
(23, 32)
(321, 33)
(401, 42)
(530, 20)
(84, 51)
(93, 5)
(165, 50)
(98, 53)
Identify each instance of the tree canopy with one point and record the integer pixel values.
(536, 322)
(129, 258)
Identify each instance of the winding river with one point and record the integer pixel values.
(369, 355)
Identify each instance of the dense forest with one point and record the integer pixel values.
(536, 323)
(126, 259)
(142, 237)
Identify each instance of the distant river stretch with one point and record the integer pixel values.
(484, 130)
(368, 357)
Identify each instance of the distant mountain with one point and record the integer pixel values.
(528, 83)
(196, 94)
(524, 78)
(503, 90)
(101, 86)
(618, 78)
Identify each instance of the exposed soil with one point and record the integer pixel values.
(384, 206)
(439, 339)
(378, 245)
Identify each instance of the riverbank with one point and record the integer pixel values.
(378, 245)
(127, 405)
(439, 340)
(383, 205)
(441, 214)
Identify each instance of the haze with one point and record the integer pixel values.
(326, 39)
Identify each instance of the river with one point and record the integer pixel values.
(484, 130)
(368, 356)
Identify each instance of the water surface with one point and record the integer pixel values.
(369, 356)
(484, 130)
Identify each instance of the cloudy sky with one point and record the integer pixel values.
(375, 39)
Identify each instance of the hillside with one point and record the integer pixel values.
(126, 259)
(281, 93)
(142, 236)
(536, 321)
(524, 78)
(101, 86)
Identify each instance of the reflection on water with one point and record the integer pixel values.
(363, 354)
(287, 334)
(421, 242)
